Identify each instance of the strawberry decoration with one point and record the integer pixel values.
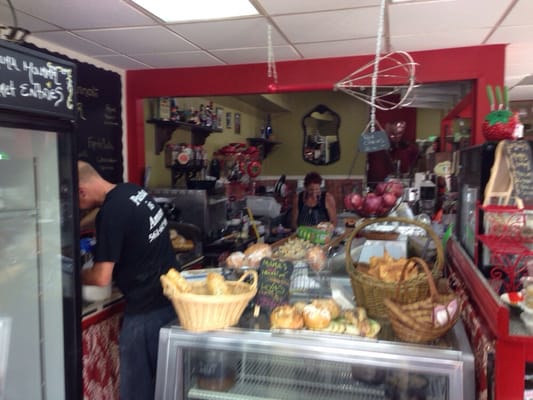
(500, 123)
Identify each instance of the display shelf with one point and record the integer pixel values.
(505, 335)
(164, 129)
(267, 379)
(265, 145)
(507, 238)
(254, 363)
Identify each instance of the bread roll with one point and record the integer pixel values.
(329, 304)
(255, 253)
(216, 285)
(315, 317)
(179, 281)
(286, 317)
(316, 258)
(235, 260)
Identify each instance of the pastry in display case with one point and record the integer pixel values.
(239, 363)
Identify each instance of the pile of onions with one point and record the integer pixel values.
(378, 203)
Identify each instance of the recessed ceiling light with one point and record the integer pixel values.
(417, 1)
(174, 11)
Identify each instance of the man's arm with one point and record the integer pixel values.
(100, 274)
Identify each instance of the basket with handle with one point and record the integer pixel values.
(199, 311)
(370, 291)
(425, 320)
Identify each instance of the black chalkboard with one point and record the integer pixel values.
(99, 120)
(373, 141)
(36, 82)
(520, 162)
(274, 283)
(98, 113)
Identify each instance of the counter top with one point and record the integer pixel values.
(89, 309)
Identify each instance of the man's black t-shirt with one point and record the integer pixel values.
(132, 231)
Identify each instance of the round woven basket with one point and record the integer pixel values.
(415, 322)
(200, 312)
(370, 292)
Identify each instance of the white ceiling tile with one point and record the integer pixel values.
(138, 40)
(277, 7)
(511, 34)
(452, 15)
(122, 62)
(255, 55)
(73, 14)
(24, 21)
(338, 48)
(520, 93)
(440, 40)
(331, 25)
(249, 32)
(180, 60)
(520, 14)
(72, 42)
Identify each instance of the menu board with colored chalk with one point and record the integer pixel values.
(274, 283)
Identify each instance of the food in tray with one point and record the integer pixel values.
(216, 284)
(389, 269)
(235, 260)
(316, 317)
(315, 235)
(316, 258)
(251, 257)
(174, 283)
(293, 249)
(286, 317)
(255, 253)
(179, 242)
(324, 315)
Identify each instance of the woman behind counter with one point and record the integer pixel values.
(313, 206)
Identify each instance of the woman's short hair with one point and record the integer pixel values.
(312, 177)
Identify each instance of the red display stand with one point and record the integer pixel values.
(502, 346)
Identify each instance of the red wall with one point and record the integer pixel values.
(482, 64)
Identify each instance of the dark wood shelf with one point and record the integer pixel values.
(265, 146)
(165, 128)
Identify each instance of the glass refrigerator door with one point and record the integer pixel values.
(36, 253)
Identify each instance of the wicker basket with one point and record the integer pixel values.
(369, 291)
(414, 322)
(200, 312)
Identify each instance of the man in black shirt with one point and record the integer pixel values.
(133, 249)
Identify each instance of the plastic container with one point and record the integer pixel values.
(263, 206)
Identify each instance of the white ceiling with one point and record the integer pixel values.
(119, 34)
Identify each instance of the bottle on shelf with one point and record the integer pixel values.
(268, 128)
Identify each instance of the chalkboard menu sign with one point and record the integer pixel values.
(99, 120)
(98, 113)
(373, 141)
(274, 283)
(520, 162)
(36, 82)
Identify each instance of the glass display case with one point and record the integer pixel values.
(241, 363)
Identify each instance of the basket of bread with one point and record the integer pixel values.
(425, 320)
(377, 279)
(214, 303)
(324, 315)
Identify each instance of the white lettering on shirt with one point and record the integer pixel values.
(155, 219)
(139, 197)
(155, 234)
